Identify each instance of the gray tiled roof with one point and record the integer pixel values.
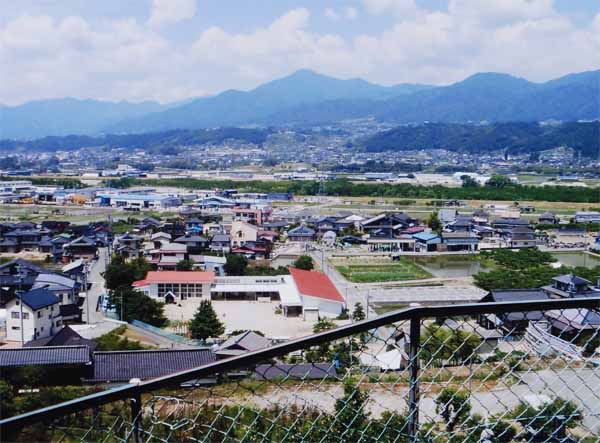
(303, 371)
(248, 341)
(47, 355)
(125, 365)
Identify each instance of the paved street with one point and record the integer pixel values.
(96, 290)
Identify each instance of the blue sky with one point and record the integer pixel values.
(174, 49)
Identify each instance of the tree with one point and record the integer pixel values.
(499, 181)
(205, 323)
(6, 399)
(359, 313)
(304, 262)
(120, 273)
(468, 181)
(550, 421)
(454, 407)
(324, 324)
(350, 418)
(236, 265)
(184, 265)
(134, 305)
(434, 222)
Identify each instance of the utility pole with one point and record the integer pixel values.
(87, 295)
(19, 292)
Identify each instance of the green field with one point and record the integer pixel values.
(380, 271)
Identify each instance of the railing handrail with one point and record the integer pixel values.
(13, 424)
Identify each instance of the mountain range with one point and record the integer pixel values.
(307, 98)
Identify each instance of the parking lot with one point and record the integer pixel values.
(247, 315)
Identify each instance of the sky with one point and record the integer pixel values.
(171, 50)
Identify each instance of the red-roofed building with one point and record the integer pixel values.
(175, 286)
(318, 292)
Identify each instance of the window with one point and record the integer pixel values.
(14, 315)
(39, 314)
(16, 328)
(25, 315)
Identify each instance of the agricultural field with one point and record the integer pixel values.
(376, 271)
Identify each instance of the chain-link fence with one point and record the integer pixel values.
(508, 372)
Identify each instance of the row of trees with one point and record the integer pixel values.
(527, 268)
(238, 265)
(498, 189)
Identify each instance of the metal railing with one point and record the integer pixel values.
(423, 374)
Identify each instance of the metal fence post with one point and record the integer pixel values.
(413, 364)
(136, 416)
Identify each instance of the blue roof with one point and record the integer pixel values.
(39, 298)
(425, 236)
(149, 197)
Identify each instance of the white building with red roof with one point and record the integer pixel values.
(317, 292)
(176, 286)
(299, 293)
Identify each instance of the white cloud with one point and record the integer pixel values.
(400, 8)
(165, 12)
(42, 56)
(351, 13)
(331, 14)
(348, 13)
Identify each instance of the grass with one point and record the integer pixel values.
(381, 271)
(384, 308)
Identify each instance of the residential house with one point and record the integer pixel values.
(67, 291)
(427, 241)
(460, 241)
(388, 225)
(253, 250)
(196, 244)
(255, 216)
(81, 248)
(243, 232)
(32, 315)
(301, 233)
(168, 255)
(64, 337)
(548, 218)
(54, 246)
(570, 286)
(128, 245)
(506, 224)
(296, 371)
(248, 341)
(119, 367)
(522, 237)
(220, 243)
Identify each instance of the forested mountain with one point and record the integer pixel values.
(307, 98)
(263, 104)
(66, 116)
(512, 137)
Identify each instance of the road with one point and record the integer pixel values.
(96, 290)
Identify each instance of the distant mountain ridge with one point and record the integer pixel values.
(308, 98)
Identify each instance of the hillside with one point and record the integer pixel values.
(149, 141)
(513, 137)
